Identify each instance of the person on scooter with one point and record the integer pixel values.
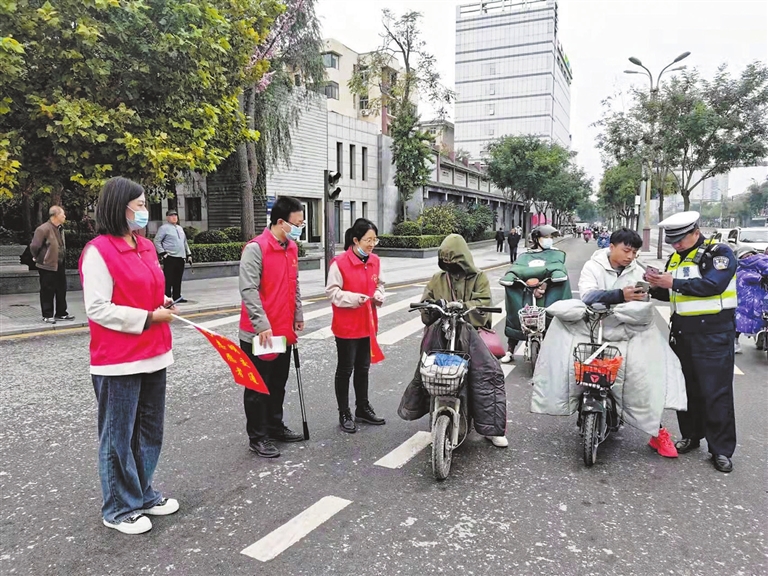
(460, 281)
(611, 277)
(542, 261)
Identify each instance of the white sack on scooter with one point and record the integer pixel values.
(650, 378)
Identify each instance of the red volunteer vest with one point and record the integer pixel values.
(362, 278)
(138, 283)
(279, 278)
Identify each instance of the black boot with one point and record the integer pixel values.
(366, 414)
(345, 421)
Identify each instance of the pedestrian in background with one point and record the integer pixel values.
(173, 250)
(48, 250)
(513, 240)
(355, 289)
(700, 284)
(130, 351)
(500, 240)
(271, 306)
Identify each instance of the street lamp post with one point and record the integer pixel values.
(654, 96)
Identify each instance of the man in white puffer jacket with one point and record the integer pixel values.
(611, 275)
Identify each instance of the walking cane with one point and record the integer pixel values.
(301, 390)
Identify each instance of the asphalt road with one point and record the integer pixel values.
(532, 508)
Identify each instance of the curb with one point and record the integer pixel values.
(45, 330)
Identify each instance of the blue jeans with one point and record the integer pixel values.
(131, 416)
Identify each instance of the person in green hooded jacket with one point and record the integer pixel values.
(460, 281)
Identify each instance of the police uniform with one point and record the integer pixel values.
(702, 334)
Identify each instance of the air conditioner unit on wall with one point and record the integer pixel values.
(365, 112)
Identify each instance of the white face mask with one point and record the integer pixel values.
(546, 243)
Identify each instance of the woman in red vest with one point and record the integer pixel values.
(124, 293)
(355, 289)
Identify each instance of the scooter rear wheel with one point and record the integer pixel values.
(442, 447)
(591, 437)
(535, 345)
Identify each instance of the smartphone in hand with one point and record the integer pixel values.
(643, 287)
(172, 304)
(653, 270)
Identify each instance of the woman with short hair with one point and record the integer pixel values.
(128, 316)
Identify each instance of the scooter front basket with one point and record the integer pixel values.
(532, 318)
(443, 371)
(600, 371)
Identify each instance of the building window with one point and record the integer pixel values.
(297, 79)
(173, 203)
(490, 131)
(352, 212)
(492, 89)
(194, 208)
(363, 102)
(339, 157)
(492, 69)
(364, 166)
(352, 163)
(365, 209)
(491, 109)
(155, 211)
(332, 90)
(331, 60)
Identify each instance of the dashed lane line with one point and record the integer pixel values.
(324, 333)
(406, 451)
(279, 540)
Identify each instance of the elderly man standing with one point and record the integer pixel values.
(48, 249)
(173, 250)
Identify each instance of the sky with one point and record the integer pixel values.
(598, 36)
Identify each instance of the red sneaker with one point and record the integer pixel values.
(663, 444)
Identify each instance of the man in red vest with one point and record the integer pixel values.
(271, 307)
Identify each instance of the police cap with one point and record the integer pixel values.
(679, 225)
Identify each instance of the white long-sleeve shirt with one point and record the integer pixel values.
(334, 289)
(97, 293)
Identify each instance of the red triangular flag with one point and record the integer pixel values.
(243, 370)
(376, 354)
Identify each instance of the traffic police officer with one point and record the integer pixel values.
(700, 284)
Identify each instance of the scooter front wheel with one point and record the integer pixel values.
(535, 346)
(591, 437)
(442, 447)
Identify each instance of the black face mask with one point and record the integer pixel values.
(451, 268)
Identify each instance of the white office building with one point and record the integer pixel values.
(512, 75)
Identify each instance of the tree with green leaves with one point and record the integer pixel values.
(392, 92)
(618, 187)
(522, 166)
(276, 103)
(563, 193)
(143, 89)
(758, 198)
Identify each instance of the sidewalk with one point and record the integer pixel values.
(20, 313)
(646, 259)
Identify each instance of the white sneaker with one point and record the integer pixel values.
(498, 441)
(165, 507)
(507, 358)
(136, 524)
(737, 347)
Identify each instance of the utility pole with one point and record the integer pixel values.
(332, 192)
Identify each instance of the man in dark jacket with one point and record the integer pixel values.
(500, 240)
(513, 240)
(47, 249)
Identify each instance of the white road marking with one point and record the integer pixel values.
(507, 369)
(737, 371)
(235, 318)
(324, 333)
(665, 312)
(520, 350)
(407, 450)
(295, 529)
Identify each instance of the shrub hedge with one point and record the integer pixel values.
(191, 233)
(407, 228)
(225, 252)
(212, 237)
(233, 233)
(391, 241)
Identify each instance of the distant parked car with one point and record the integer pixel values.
(742, 239)
(721, 234)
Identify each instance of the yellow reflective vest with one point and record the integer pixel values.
(687, 268)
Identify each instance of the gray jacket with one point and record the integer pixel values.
(171, 240)
(250, 283)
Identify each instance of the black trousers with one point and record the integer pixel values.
(354, 355)
(707, 361)
(53, 285)
(512, 253)
(264, 413)
(499, 245)
(173, 268)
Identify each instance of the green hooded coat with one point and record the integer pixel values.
(469, 285)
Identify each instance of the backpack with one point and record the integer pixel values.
(26, 259)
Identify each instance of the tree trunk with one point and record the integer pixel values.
(26, 215)
(247, 225)
(686, 201)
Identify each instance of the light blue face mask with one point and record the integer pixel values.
(140, 219)
(361, 252)
(546, 243)
(295, 233)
